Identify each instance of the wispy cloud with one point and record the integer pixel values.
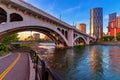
(51, 7)
(106, 17)
(72, 9)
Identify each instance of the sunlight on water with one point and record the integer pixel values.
(94, 62)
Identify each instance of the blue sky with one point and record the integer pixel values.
(77, 11)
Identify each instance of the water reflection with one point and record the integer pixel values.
(115, 59)
(69, 58)
(96, 62)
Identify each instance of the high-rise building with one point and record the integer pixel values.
(112, 16)
(82, 27)
(113, 25)
(96, 22)
(118, 21)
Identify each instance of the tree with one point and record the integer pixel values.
(3, 48)
(8, 39)
(4, 42)
(107, 38)
(110, 38)
(118, 36)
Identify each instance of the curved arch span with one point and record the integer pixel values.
(50, 33)
(80, 40)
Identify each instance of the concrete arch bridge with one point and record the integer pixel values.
(17, 16)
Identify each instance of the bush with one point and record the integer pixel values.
(107, 38)
(118, 37)
(3, 48)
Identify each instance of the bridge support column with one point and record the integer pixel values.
(70, 38)
(87, 42)
(8, 17)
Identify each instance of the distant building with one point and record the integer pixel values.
(82, 27)
(118, 21)
(112, 16)
(113, 25)
(36, 36)
(96, 22)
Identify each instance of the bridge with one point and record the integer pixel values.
(17, 16)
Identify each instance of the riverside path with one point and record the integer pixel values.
(14, 67)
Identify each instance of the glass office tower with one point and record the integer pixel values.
(96, 22)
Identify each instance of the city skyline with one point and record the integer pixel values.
(74, 12)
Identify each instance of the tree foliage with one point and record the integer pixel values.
(4, 42)
(8, 39)
(118, 36)
(107, 38)
(3, 48)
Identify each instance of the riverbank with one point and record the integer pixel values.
(108, 43)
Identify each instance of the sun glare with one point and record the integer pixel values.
(26, 34)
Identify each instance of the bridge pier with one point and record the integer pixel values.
(70, 38)
(88, 41)
(8, 17)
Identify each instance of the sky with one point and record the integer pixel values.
(77, 11)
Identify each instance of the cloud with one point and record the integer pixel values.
(51, 6)
(106, 17)
(72, 9)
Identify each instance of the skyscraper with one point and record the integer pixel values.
(118, 21)
(112, 24)
(96, 22)
(112, 16)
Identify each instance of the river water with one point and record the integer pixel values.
(95, 62)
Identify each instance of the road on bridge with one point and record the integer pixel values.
(15, 67)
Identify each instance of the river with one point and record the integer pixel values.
(95, 62)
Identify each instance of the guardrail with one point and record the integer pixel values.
(42, 71)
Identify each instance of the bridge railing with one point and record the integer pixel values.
(42, 71)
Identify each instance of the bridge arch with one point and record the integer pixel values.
(54, 35)
(79, 39)
(29, 17)
(91, 41)
(15, 17)
(3, 16)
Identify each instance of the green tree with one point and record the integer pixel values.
(8, 39)
(4, 42)
(110, 38)
(3, 48)
(104, 38)
(107, 38)
(118, 36)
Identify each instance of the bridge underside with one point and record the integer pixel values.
(50, 33)
(18, 20)
(80, 41)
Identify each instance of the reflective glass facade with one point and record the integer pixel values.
(96, 22)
